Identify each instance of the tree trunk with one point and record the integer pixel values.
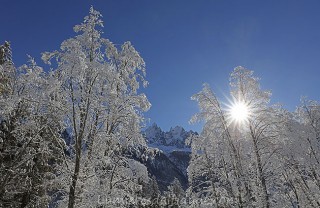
(261, 177)
(75, 175)
(76, 168)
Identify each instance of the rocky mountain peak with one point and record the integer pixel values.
(167, 141)
(173, 155)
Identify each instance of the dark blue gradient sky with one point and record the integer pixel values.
(185, 43)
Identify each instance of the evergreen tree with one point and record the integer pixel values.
(7, 69)
(5, 53)
(29, 149)
(174, 194)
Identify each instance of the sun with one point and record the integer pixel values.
(239, 112)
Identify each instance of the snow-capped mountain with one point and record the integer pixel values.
(173, 158)
(169, 141)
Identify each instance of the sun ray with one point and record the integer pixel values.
(238, 112)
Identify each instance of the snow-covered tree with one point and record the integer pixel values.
(29, 149)
(102, 110)
(152, 193)
(215, 171)
(235, 158)
(175, 194)
(5, 53)
(7, 69)
(265, 126)
(301, 158)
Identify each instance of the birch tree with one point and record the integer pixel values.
(238, 148)
(215, 171)
(265, 128)
(101, 108)
(301, 163)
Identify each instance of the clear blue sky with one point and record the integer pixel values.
(186, 43)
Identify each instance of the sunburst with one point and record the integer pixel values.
(239, 112)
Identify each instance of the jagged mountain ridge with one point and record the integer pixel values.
(173, 155)
(175, 137)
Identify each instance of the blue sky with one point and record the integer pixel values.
(186, 43)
